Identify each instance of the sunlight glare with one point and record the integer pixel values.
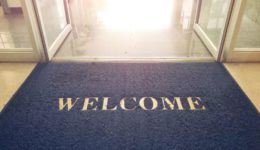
(130, 15)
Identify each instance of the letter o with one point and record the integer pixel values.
(142, 103)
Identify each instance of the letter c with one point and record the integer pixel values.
(122, 103)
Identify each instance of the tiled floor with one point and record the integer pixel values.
(247, 76)
(12, 75)
(110, 29)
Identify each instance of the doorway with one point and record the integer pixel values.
(132, 29)
(124, 29)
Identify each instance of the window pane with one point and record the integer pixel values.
(212, 18)
(54, 20)
(13, 27)
(249, 35)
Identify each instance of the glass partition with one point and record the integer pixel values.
(249, 34)
(13, 27)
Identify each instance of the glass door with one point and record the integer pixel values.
(243, 38)
(53, 18)
(211, 24)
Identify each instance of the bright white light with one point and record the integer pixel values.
(137, 14)
(187, 13)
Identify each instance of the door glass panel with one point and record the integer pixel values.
(213, 17)
(52, 17)
(249, 35)
(13, 27)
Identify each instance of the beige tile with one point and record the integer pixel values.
(3, 101)
(12, 75)
(248, 77)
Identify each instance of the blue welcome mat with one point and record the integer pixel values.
(129, 106)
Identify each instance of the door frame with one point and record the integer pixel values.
(50, 51)
(216, 51)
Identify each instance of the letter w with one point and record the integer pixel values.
(69, 103)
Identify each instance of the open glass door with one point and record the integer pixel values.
(211, 24)
(53, 18)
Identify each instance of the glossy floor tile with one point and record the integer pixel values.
(13, 30)
(111, 29)
(12, 75)
(247, 76)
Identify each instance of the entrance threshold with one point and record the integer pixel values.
(136, 59)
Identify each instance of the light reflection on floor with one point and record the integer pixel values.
(133, 28)
(125, 15)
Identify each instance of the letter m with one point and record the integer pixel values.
(68, 102)
(176, 101)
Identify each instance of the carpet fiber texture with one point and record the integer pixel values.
(124, 106)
